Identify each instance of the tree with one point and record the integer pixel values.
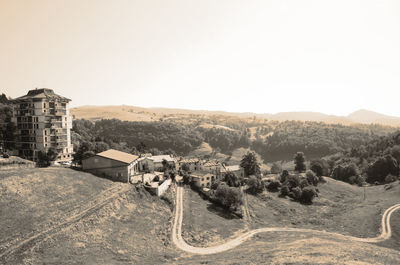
(312, 178)
(343, 172)
(232, 180)
(44, 159)
(284, 175)
(250, 164)
(228, 197)
(382, 167)
(276, 168)
(83, 148)
(255, 185)
(308, 194)
(299, 159)
(320, 167)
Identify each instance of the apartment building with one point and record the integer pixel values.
(42, 122)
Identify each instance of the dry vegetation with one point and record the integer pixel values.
(134, 227)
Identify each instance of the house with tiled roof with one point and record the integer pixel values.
(113, 164)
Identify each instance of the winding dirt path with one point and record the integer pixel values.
(181, 244)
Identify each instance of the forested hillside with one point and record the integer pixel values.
(375, 162)
(314, 139)
(271, 139)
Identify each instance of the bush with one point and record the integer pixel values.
(296, 193)
(308, 194)
(228, 197)
(304, 183)
(390, 178)
(255, 185)
(284, 175)
(312, 178)
(382, 167)
(274, 186)
(285, 191)
(293, 181)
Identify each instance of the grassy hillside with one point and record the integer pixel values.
(61, 216)
(58, 215)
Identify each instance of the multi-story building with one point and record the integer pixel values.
(42, 122)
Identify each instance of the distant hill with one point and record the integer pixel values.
(132, 113)
(367, 116)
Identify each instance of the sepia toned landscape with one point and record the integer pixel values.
(199, 132)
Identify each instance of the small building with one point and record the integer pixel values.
(212, 166)
(155, 163)
(204, 181)
(116, 165)
(192, 164)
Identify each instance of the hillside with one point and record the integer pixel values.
(62, 216)
(131, 113)
(58, 215)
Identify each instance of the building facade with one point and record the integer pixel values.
(42, 121)
(113, 164)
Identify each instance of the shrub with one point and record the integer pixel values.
(308, 194)
(293, 181)
(228, 197)
(296, 193)
(284, 175)
(255, 185)
(304, 183)
(274, 186)
(390, 178)
(382, 167)
(312, 178)
(285, 191)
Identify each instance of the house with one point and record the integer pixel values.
(158, 162)
(235, 169)
(155, 163)
(191, 164)
(117, 165)
(212, 166)
(42, 121)
(204, 181)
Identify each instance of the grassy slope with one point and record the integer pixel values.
(135, 227)
(339, 208)
(205, 224)
(34, 200)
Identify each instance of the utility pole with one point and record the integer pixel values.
(365, 194)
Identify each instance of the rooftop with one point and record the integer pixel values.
(41, 93)
(160, 158)
(232, 168)
(118, 155)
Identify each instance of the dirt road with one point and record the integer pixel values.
(181, 244)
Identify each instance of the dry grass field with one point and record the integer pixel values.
(62, 216)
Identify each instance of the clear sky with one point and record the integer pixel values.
(257, 56)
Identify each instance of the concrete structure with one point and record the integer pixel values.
(158, 189)
(42, 122)
(113, 164)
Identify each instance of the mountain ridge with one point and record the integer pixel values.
(133, 113)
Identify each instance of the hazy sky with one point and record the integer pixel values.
(258, 56)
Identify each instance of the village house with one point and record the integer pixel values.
(212, 166)
(117, 165)
(204, 181)
(191, 164)
(149, 163)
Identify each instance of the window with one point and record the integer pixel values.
(208, 178)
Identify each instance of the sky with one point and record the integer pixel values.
(264, 56)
